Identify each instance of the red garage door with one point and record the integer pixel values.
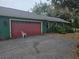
(30, 28)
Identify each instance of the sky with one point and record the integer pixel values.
(25, 5)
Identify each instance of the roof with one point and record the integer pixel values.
(4, 11)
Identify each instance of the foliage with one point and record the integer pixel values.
(40, 9)
(69, 29)
(60, 29)
(43, 9)
(64, 9)
(68, 10)
(63, 29)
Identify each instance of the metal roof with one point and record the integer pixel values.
(4, 11)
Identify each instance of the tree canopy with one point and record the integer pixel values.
(65, 9)
(40, 8)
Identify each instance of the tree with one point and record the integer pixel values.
(43, 9)
(70, 10)
(40, 8)
(65, 9)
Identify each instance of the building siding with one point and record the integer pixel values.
(4, 27)
(45, 26)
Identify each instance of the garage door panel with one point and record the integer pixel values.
(30, 28)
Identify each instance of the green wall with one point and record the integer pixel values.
(4, 27)
(45, 26)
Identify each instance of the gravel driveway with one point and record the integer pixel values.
(50, 46)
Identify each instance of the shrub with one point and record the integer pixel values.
(69, 29)
(60, 29)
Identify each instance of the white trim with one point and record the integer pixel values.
(41, 27)
(24, 20)
(10, 27)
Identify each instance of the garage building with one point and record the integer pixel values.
(15, 22)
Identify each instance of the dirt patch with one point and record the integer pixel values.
(74, 36)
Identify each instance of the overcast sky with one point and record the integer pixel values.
(20, 4)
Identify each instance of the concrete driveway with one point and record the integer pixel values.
(50, 46)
